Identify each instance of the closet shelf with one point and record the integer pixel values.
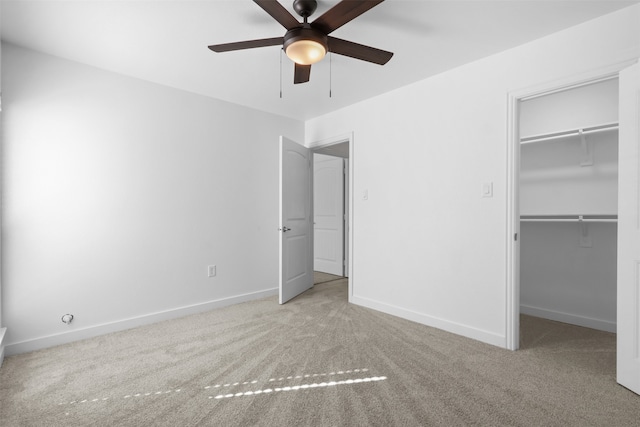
(569, 218)
(572, 132)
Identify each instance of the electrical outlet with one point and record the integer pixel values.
(211, 271)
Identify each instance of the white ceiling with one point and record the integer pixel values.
(166, 42)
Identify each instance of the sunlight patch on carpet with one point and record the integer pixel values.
(274, 387)
(290, 377)
(300, 387)
(128, 396)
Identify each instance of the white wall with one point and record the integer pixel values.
(552, 180)
(576, 108)
(427, 246)
(117, 195)
(565, 281)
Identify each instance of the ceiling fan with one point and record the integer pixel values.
(307, 43)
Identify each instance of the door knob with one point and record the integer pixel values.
(285, 229)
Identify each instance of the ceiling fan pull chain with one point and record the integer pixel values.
(330, 72)
(281, 73)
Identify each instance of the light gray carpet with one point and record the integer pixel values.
(317, 361)
(321, 277)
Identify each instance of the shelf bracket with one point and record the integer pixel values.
(587, 155)
(585, 237)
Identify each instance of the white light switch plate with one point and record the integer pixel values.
(487, 189)
(211, 271)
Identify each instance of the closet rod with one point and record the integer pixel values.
(569, 218)
(565, 134)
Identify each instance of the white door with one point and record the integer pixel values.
(328, 211)
(628, 327)
(296, 239)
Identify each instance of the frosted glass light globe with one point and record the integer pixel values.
(305, 52)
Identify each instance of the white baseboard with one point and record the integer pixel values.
(120, 325)
(573, 319)
(435, 322)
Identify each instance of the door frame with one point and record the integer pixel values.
(512, 288)
(316, 145)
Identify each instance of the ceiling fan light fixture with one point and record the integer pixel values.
(306, 52)
(305, 46)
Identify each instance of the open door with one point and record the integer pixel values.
(628, 316)
(296, 238)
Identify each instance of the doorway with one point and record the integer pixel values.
(330, 213)
(333, 208)
(568, 202)
(627, 303)
(552, 176)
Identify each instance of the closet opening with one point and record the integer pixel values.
(568, 211)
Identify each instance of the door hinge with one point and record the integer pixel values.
(515, 237)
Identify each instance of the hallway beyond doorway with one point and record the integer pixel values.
(320, 277)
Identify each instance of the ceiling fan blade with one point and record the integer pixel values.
(279, 13)
(302, 73)
(359, 51)
(249, 44)
(342, 13)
